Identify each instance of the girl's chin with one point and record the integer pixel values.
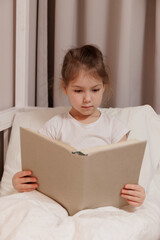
(87, 111)
(83, 110)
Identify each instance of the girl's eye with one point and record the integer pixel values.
(78, 91)
(96, 90)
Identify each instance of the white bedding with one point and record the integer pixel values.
(34, 216)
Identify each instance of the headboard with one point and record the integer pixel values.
(6, 119)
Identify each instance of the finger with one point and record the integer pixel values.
(28, 187)
(132, 193)
(24, 173)
(134, 187)
(27, 190)
(131, 198)
(134, 204)
(27, 180)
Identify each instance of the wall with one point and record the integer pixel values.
(7, 58)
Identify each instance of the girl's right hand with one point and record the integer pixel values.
(24, 182)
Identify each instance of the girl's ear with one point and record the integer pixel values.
(104, 87)
(64, 88)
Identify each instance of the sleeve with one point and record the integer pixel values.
(50, 128)
(118, 130)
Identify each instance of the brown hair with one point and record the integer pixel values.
(88, 58)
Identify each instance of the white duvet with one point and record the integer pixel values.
(34, 216)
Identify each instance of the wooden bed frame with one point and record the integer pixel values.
(6, 119)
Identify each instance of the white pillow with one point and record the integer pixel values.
(142, 120)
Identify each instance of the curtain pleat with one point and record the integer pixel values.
(64, 39)
(157, 58)
(148, 77)
(50, 52)
(42, 73)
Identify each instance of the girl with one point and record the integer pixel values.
(84, 80)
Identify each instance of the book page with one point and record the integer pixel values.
(106, 147)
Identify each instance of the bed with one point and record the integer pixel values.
(33, 215)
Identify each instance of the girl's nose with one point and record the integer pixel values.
(87, 97)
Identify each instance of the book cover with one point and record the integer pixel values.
(81, 180)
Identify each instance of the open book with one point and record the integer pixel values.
(80, 180)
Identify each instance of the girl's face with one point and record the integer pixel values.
(85, 95)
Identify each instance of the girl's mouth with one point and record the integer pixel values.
(86, 107)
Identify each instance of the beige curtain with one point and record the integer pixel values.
(41, 52)
(128, 34)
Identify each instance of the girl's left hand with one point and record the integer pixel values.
(134, 194)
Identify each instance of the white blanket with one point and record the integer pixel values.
(32, 215)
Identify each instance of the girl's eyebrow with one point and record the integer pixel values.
(77, 86)
(97, 85)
